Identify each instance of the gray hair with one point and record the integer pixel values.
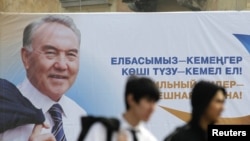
(61, 19)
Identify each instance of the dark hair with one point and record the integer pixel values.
(141, 87)
(201, 96)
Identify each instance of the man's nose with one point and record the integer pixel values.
(61, 63)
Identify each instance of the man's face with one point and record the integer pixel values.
(215, 107)
(144, 108)
(53, 64)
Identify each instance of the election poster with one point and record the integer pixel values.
(175, 49)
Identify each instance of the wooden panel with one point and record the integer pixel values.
(248, 5)
(122, 7)
(226, 5)
(116, 6)
(241, 4)
(1, 5)
(32, 6)
(94, 8)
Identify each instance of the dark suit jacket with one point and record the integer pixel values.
(15, 109)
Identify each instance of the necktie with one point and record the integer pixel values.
(133, 132)
(56, 114)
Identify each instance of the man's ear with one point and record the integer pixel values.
(130, 100)
(25, 57)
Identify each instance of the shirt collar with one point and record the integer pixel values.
(63, 103)
(38, 99)
(127, 126)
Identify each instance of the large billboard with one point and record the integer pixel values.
(174, 49)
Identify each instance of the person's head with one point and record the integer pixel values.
(50, 54)
(141, 95)
(207, 100)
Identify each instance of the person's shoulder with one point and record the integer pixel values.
(77, 109)
(181, 133)
(95, 132)
(97, 127)
(148, 134)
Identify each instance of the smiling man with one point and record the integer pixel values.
(50, 55)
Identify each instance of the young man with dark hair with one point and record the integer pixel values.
(207, 101)
(141, 95)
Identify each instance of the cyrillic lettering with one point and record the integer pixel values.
(189, 60)
(121, 61)
(214, 60)
(141, 60)
(220, 60)
(134, 61)
(127, 61)
(169, 85)
(175, 95)
(232, 83)
(158, 60)
(163, 84)
(148, 61)
(238, 59)
(203, 71)
(175, 60)
(233, 71)
(135, 71)
(113, 61)
(165, 61)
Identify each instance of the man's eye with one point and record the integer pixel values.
(72, 54)
(50, 52)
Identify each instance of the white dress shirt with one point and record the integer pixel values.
(71, 116)
(97, 132)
